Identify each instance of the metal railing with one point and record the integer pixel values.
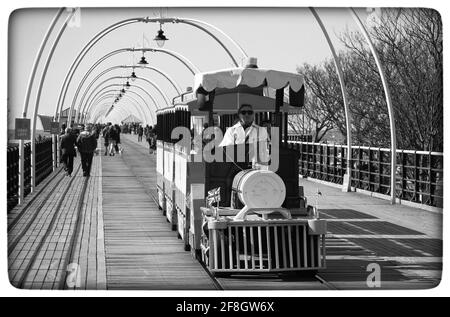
(44, 166)
(12, 161)
(419, 174)
(300, 137)
(44, 159)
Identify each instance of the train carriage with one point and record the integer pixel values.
(234, 214)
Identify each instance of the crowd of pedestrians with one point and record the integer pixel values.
(111, 135)
(84, 139)
(147, 132)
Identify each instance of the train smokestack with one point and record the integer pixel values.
(251, 62)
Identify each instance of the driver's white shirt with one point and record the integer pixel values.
(256, 135)
(237, 135)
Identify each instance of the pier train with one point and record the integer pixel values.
(232, 216)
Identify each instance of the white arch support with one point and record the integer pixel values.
(346, 184)
(387, 94)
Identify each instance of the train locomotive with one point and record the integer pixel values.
(233, 214)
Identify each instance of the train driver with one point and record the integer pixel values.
(247, 131)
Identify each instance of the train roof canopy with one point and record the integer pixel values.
(251, 77)
(229, 88)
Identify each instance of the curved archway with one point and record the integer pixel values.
(117, 25)
(89, 99)
(138, 106)
(89, 108)
(174, 84)
(184, 60)
(102, 92)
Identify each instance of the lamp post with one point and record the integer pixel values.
(160, 38)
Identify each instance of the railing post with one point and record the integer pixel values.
(430, 178)
(380, 170)
(334, 162)
(404, 176)
(416, 177)
(33, 164)
(21, 171)
(327, 163)
(344, 165)
(54, 150)
(321, 161)
(58, 149)
(359, 166)
(369, 169)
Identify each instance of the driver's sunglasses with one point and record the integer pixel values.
(245, 112)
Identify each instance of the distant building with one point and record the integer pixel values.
(43, 124)
(65, 116)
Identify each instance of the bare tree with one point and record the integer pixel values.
(409, 43)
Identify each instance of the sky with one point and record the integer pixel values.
(280, 38)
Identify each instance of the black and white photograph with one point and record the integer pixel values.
(224, 148)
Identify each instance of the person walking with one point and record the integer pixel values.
(68, 151)
(151, 139)
(112, 138)
(118, 147)
(86, 143)
(140, 133)
(105, 133)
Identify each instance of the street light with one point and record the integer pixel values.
(133, 76)
(143, 61)
(160, 38)
(127, 85)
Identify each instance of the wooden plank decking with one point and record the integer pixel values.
(141, 250)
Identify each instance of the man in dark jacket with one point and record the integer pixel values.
(87, 143)
(106, 137)
(68, 151)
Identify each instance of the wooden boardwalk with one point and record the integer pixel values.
(141, 250)
(52, 237)
(106, 232)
